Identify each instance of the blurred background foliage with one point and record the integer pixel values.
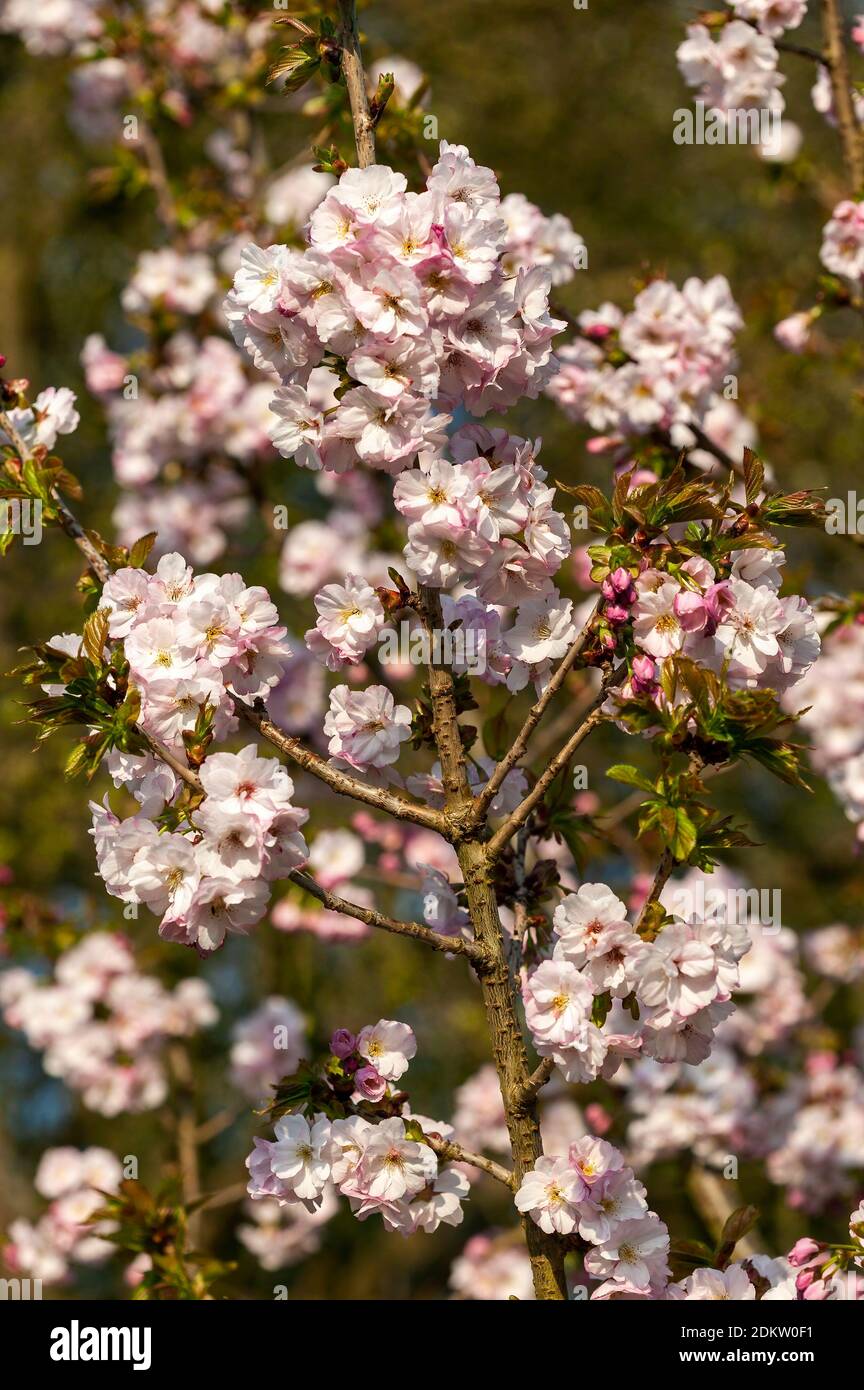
(574, 108)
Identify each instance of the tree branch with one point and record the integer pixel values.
(661, 878)
(394, 803)
(502, 836)
(451, 945)
(355, 81)
(841, 88)
(485, 798)
(536, 1081)
(454, 1153)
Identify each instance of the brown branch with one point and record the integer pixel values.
(661, 878)
(445, 721)
(225, 1197)
(485, 798)
(454, 1153)
(536, 1081)
(504, 833)
(706, 443)
(181, 769)
(451, 945)
(355, 81)
(187, 1133)
(394, 803)
(159, 181)
(801, 51)
(841, 88)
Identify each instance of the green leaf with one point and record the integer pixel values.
(623, 772)
(141, 549)
(754, 476)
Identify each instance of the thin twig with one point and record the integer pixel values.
(520, 744)
(661, 878)
(394, 803)
(451, 945)
(355, 81)
(187, 1132)
(454, 1153)
(503, 835)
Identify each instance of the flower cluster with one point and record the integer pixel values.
(190, 643)
(52, 413)
(831, 1274)
(662, 366)
(843, 241)
(197, 412)
(590, 1191)
(266, 1045)
(832, 697)
(214, 877)
(73, 1181)
(382, 1165)
(737, 625)
(681, 981)
(406, 296)
(279, 1235)
(101, 1025)
(738, 70)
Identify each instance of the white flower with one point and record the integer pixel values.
(718, 1284)
(388, 1046)
(558, 1002)
(543, 631)
(366, 727)
(580, 918)
(394, 1166)
(550, 1194)
(299, 1157)
(656, 628)
(635, 1252)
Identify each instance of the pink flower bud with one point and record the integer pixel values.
(817, 1291)
(718, 601)
(643, 675)
(803, 1251)
(805, 1279)
(616, 614)
(342, 1043)
(691, 611)
(370, 1084)
(599, 1119)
